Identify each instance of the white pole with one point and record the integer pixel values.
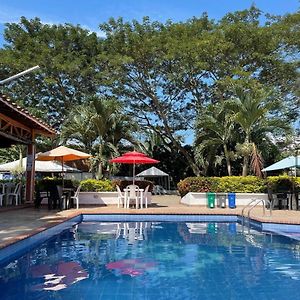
(19, 74)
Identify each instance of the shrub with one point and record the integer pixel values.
(197, 185)
(142, 184)
(282, 183)
(94, 185)
(237, 184)
(240, 184)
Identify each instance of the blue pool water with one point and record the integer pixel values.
(156, 260)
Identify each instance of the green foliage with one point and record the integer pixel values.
(197, 185)
(142, 184)
(166, 74)
(282, 183)
(100, 126)
(67, 57)
(48, 183)
(94, 185)
(237, 184)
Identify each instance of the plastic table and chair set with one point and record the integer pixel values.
(132, 193)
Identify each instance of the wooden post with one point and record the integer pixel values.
(30, 171)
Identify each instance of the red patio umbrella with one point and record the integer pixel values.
(134, 158)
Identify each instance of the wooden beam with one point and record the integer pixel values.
(17, 140)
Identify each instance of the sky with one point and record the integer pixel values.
(90, 13)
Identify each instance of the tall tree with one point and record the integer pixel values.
(256, 112)
(214, 129)
(100, 127)
(66, 55)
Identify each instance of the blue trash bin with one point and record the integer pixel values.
(231, 200)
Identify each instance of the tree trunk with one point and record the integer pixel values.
(246, 157)
(176, 144)
(99, 172)
(228, 163)
(245, 165)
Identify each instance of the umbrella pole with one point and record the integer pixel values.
(62, 173)
(133, 173)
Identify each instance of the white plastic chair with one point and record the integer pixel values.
(2, 194)
(144, 197)
(132, 192)
(76, 197)
(16, 194)
(121, 197)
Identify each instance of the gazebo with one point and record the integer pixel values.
(155, 172)
(18, 126)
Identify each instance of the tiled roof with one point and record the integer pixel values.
(16, 112)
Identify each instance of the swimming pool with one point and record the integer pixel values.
(156, 260)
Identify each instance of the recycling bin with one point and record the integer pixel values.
(211, 198)
(221, 200)
(231, 200)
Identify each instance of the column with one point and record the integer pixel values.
(30, 171)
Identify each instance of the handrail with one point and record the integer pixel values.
(253, 200)
(254, 203)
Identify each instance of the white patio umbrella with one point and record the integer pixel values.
(40, 166)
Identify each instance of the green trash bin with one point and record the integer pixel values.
(211, 198)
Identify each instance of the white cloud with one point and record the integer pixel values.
(99, 33)
(12, 15)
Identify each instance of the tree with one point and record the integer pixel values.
(144, 77)
(168, 73)
(214, 129)
(100, 127)
(256, 112)
(66, 55)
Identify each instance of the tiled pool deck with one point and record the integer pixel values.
(18, 224)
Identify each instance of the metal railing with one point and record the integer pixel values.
(252, 204)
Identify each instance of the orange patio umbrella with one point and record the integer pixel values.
(62, 154)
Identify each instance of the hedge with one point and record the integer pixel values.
(283, 183)
(94, 185)
(238, 184)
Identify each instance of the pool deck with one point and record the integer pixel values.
(17, 224)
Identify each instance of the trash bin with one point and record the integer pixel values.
(231, 200)
(211, 197)
(221, 200)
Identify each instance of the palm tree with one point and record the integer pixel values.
(253, 113)
(99, 126)
(78, 128)
(213, 131)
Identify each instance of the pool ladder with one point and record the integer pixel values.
(252, 204)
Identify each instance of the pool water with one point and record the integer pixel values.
(156, 260)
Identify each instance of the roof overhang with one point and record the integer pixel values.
(17, 125)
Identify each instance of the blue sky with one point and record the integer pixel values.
(92, 12)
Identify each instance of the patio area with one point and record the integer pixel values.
(17, 224)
